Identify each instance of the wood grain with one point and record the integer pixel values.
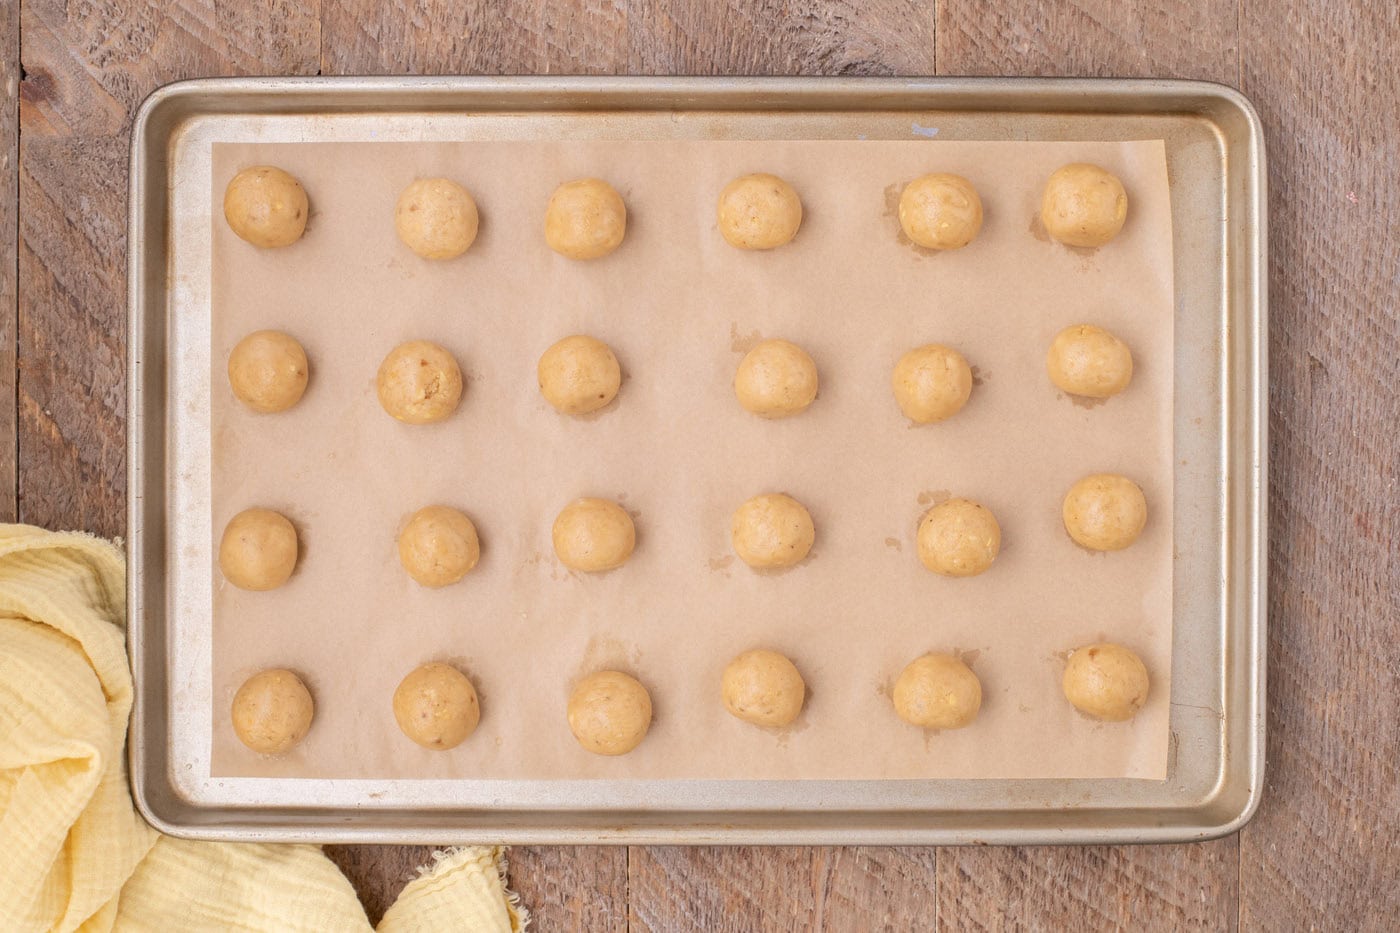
(747, 888)
(1324, 851)
(622, 37)
(1090, 887)
(72, 332)
(1325, 848)
(1165, 39)
(572, 887)
(1100, 887)
(476, 37)
(86, 71)
(389, 867)
(563, 887)
(879, 888)
(780, 37)
(9, 259)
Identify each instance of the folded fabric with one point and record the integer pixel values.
(74, 853)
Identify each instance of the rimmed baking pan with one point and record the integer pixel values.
(1215, 162)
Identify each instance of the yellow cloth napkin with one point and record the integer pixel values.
(75, 855)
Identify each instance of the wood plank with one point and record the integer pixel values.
(880, 888)
(1090, 887)
(71, 333)
(1101, 887)
(87, 70)
(1324, 845)
(9, 259)
(480, 37)
(379, 872)
(563, 887)
(782, 37)
(85, 73)
(1168, 39)
(1324, 851)
(749, 888)
(572, 887)
(630, 36)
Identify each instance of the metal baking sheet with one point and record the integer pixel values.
(1216, 165)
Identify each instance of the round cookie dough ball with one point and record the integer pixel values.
(436, 706)
(1104, 512)
(931, 383)
(1089, 361)
(272, 711)
(940, 211)
(266, 206)
(419, 382)
(585, 219)
(579, 375)
(772, 531)
(594, 535)
(776, 379)
(937, 691)
(609, 713)
(959, 538)
(258, 550)
(436, 218)
(438, 546)
(764, 688)
(1106, 681)
(1083, 205)
(759, 212)
(268, 371)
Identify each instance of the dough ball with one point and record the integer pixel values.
(419, 382)
(609, 713)
(579, 375)
(776, 379)
(272, 711)
(938, 691)
(268, 371)
(585, 219)
(258, 550)
(436, 706)
(932, 383)
(1083, 205)
(940, 211)
(266, 206)
(764, 688)
(436, 218)
(1106, 681)
(438, 546)
(594, 535)
(1089, 361)
(759, 212)
(772, 531)
(959, 538)
(1104, 512)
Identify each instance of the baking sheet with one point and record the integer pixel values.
(679, 306)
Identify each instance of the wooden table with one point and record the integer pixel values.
(1324, 850)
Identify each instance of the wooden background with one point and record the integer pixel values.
(1324, 851)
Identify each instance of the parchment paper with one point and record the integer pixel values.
(679, 306)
